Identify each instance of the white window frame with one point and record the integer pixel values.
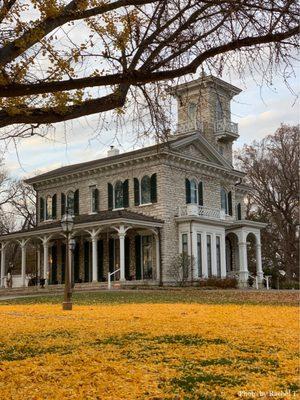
(196, 190)
(114, 196)
(46, 217)
(91, 189)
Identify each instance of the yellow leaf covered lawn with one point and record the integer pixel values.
(147, 351)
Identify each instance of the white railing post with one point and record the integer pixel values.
(109, 278)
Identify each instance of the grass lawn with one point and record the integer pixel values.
(177, 344)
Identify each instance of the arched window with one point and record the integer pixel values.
(194, 192)
(145, 190)
(48, 207)
(118, 191)
(224, 200)
(70, 202)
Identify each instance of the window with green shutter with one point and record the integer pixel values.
(187, 191)
(110, 196)
(54, 203)
(76, 202)
(136, 184)
(42, 209)
(200, 193)
(62, 204)
(153, 188)
(126, 193)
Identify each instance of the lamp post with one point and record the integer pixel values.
(67, 224)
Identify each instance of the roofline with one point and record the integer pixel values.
(82, 225)
(161, 149)
(205, 79)
(105, 161)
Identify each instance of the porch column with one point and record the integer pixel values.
(38, 253)
(122, 234)
(157, 252)
(94, 260)
(3, 251)
(244, 273)
(45, 240)
(157, 255)
(23, 244)
(94, 233)
(259, 270)
(213, 255)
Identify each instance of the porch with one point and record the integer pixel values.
(106, 242)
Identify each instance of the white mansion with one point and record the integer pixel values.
(137, 210)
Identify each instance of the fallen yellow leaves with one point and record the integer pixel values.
(147, 351)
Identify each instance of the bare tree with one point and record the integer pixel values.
(81, 57)
(180, 269)
(23, 205)
(272, 168)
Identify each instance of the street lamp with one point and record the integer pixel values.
(67, 224)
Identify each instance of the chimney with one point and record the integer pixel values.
(113, 152)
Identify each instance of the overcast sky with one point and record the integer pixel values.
(258, 111)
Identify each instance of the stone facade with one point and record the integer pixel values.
(200, 153)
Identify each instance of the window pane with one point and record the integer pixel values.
(119, 195)
(146, 190)
(224, 201)
(70, 202)
(208, 244)
(199, 255)
(194, 192)
(93, 198)
(218, 250)
(49, 207)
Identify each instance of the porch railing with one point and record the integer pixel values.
(201, 211)
(190, 126)
(224, 125)
(110, 274)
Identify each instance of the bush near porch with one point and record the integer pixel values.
(187, 344)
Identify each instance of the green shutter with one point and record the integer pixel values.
(200, 194)
(229, 203)
(153, 188)
(138, 272)
(42, 209)
(96, 194)
(63, 204)
(239, 211)
(136, 192)
(54, 198)
(100, 261)
(187, 191)
(127, 257)
(125, 194)
(110, 190)
(76, 202)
